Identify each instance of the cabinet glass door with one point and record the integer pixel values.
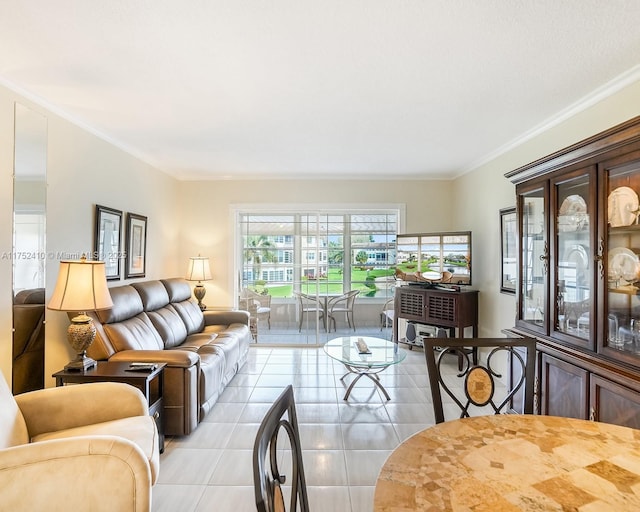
(573, 286)
(622, 261)
(534, 259)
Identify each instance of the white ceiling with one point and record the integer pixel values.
(221, 89)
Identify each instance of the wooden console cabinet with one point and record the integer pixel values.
(578, 290)
(441, 308)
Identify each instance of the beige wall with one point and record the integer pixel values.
(207, 229)
(479, 196)
(82, 170)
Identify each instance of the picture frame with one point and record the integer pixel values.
(108, 239)
(508, 250)
(136, 254)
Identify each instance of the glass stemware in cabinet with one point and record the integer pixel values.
(635, 334)
(622, 257)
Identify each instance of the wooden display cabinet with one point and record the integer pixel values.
(578, 290)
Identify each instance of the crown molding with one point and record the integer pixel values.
(601, 93)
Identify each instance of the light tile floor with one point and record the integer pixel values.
(344, 443)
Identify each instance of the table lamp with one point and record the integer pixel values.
(81, 287)
(199, 271)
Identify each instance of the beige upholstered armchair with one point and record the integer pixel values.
(80, 447)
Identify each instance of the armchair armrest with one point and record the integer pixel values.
(62, 475)
(52, 409)
(226, 317)
(173, 358)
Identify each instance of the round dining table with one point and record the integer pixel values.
(512, 462)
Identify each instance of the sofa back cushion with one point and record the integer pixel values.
(177, 288)
(169, 325)
(179, 292)
(137, 333)
(13, 429)
(126, 304)
(153, 294)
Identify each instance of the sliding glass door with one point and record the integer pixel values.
(305, 261)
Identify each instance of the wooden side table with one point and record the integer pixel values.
(151, 383)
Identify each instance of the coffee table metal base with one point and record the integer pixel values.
(364, 372)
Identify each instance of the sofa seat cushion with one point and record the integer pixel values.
(140, 430)
(212, 374)
(236, 329)
(137, 333)
(194, 342)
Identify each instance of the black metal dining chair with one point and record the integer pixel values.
(267, 477)
(473, 387)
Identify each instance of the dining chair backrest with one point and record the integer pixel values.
(343, 304)
(477, 389)
(387, 314)
(267, 479)
(311, 305)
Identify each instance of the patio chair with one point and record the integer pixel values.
(261, 303)
(308, 304)
(343, 304)
(387, 314)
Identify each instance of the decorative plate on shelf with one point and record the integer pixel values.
(624, 263)
(623, 207)
(572, 215)
(573, 204)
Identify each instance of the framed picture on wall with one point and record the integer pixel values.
(107, 240)
(508, 255)
(136, 257)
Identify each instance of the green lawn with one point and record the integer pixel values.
(332, 284)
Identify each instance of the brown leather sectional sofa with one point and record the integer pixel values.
(28, 341)
(158, 321)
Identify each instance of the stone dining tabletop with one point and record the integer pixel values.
(513, 462)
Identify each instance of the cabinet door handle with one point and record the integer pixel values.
(592, 414)
(599, 257)
(544, 257)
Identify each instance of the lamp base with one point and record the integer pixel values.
(80, 334)
(199, 293)
(80, 363)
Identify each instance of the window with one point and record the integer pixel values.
(318, 251)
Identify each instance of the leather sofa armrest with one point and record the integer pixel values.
(52, 409)
(61, 475)
(226, 317)
(173, 358)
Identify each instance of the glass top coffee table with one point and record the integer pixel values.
(382, 354)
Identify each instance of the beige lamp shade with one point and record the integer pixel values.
(81, 286)
(199, 269)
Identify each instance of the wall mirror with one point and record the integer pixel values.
(29, 248)
(508, 263)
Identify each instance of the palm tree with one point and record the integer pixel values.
(257, 252)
